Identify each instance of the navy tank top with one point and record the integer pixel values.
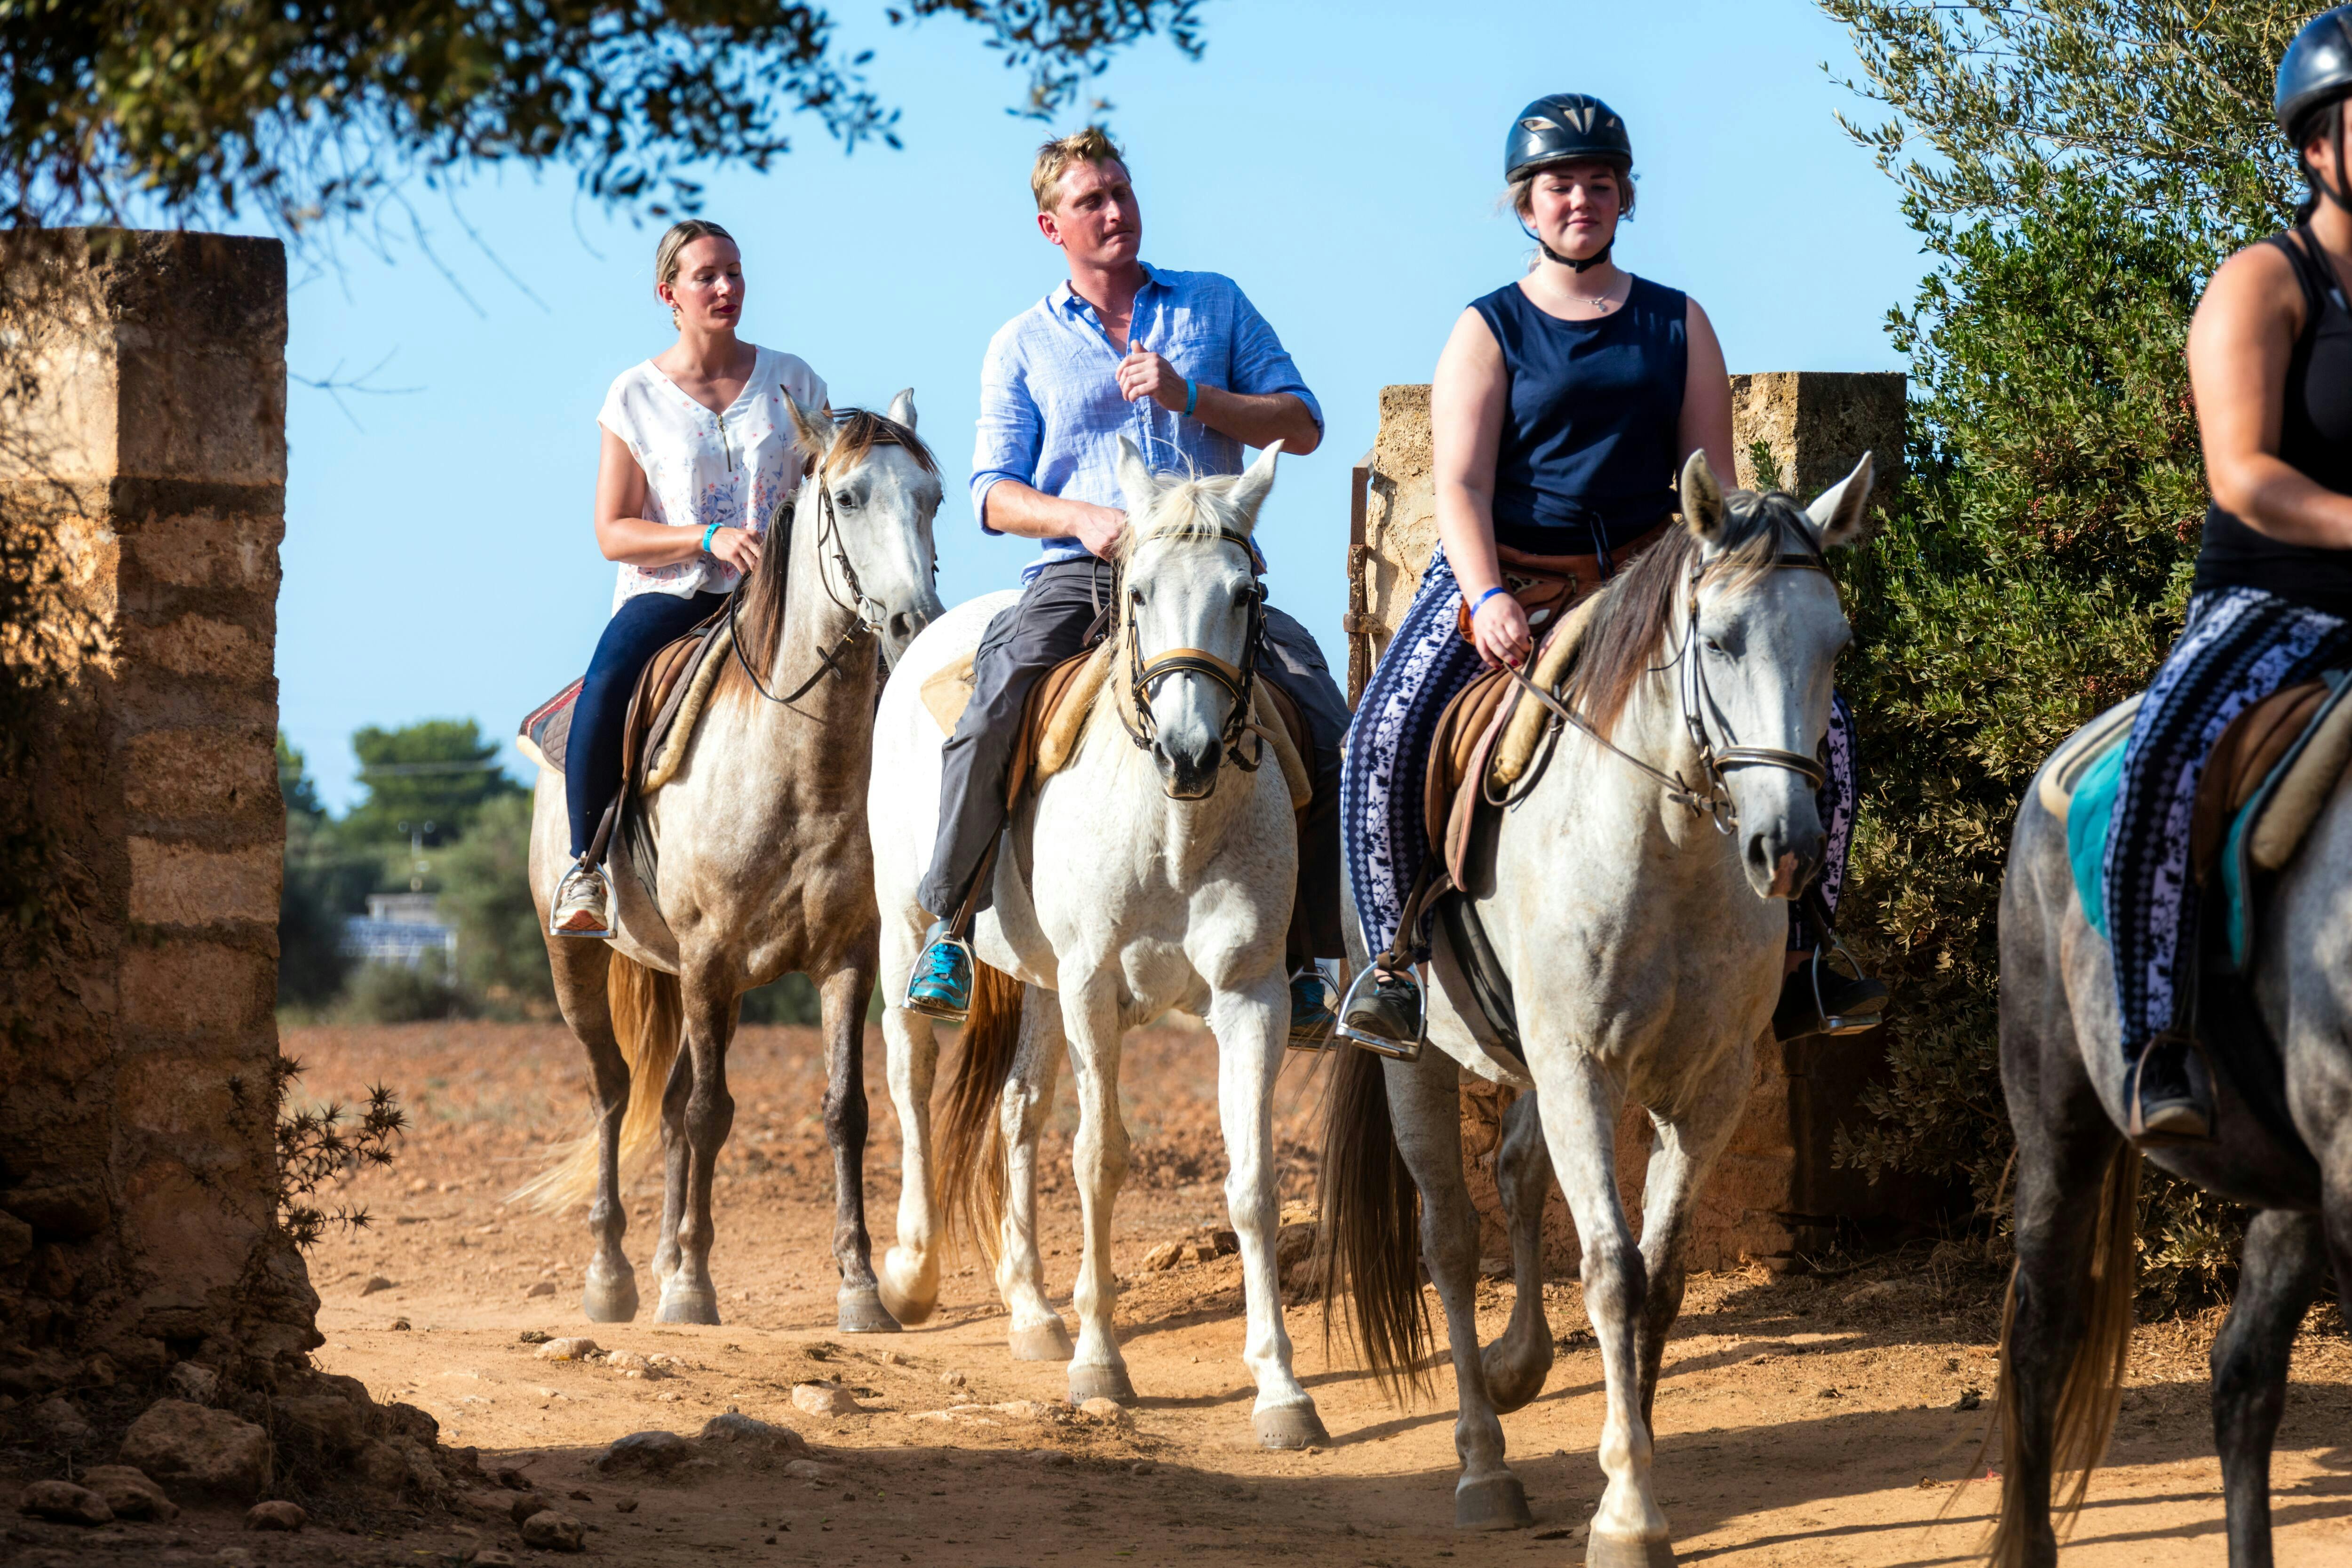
(2315, 439)
(1587, 459)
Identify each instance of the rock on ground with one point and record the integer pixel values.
(566, 1350)
(275, 1514)
(733, 1427)
(211, 1450)
(1110, 1410)
(130, 1493)
(194, 1383)
(553, 1532)
(65, 1503)
(644, 1451)
(824, 1399)
(63, 1423)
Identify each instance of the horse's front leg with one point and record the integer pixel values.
(582, 970)
(1250, 1027)
(909, 1281)
(1036, 1331)
(1578, 1102)
(1519, 1360)
(1684, 1151)
(1098, 1158)
(688, 1296)
(843, 998)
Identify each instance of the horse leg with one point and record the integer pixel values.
(688, 1296)
(1518, 1360)
(582, 972)
(1099, 1154)
(1578, 1102)
(2280, 1273)
(909, 1284)
(1251, 1029)
(1684, 1149)
(843, 1001)
(1425, 1110)
(674, 1153)
(1036, 1331)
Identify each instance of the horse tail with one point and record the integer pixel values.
(970, 1137)
(2093, 1390)
(1370, 1230)
(650, 1021)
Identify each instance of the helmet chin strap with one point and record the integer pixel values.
(1586, 264)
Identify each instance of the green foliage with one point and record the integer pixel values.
(438, 772)
(486, 892)
(2077, 170)
(792, 1000)
(396, 994)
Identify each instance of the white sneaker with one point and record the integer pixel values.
(582, 905)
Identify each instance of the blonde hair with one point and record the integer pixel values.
(1092, 145)
(673, 243)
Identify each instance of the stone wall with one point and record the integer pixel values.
(1774, 1196)
(137, 1070)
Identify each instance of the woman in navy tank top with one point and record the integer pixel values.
(1562, 407)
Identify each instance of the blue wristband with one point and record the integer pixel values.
(1192, 396)
(1478, 604)
(705, 537)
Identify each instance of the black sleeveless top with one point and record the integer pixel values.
(1587, 459)
(2315, 439)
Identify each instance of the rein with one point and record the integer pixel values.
(1697, 702)
(1239, 681)
(866, 621)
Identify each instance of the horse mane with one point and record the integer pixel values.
(1190, 507)
(760, 612)
(1636, 610)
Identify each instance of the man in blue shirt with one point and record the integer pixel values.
(1183, 365)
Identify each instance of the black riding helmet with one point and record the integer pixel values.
(2314, 75)
(1558, 128)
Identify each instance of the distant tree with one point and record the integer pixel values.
(485, 884)
(294, 784)
(439, 771)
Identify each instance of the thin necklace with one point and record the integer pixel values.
(1601, 301)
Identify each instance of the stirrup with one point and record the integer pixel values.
(579, 868)
(970, 969)
(1836, 1023)
(2189, 1120)
(1324, 1038)
(1393, 1050)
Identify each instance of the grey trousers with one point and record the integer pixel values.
(1048, 625)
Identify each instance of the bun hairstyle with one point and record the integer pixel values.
(673, 243)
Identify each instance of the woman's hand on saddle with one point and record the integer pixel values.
(739, 547)
(1500, 631)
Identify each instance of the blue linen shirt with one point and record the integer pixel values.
(1051, 413)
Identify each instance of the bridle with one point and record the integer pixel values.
(869, 614)
(1712, 796)
(1239, 681)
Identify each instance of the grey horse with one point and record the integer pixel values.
(763, 868)
(2282, 1147)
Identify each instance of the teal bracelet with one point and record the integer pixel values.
(705, 537)
(1192, 396)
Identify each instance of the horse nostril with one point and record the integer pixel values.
(905, 623)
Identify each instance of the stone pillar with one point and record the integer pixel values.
(138, 1087)
(1774, 1193)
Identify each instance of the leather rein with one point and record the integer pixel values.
(1238, 680)
(869, 614)
(1714, 800)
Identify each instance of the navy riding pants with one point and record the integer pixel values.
(591, 758)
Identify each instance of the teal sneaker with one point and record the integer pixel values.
(1311, 1017)
(941, 986)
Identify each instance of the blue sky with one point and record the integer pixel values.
(1340, 161)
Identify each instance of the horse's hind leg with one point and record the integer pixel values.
(2281, 1267)
(689, 1295)
(1520, 1359)
(676, 1156)
(582, 972)
(1425, 1107)
(1099, 1160)
(1036, 1331)
(843, 996)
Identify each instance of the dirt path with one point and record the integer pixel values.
(1799, 1422)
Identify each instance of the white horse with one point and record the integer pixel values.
(762, 871)
(1645, 951)
(1125, 887)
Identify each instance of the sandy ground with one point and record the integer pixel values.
(1801, 1421)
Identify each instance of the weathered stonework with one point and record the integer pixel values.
(136, 1068)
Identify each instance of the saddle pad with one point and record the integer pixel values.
(1053, 719)
(947, 693)
(1528, 719)
(546, 730)
(660, 700)
(673, 728)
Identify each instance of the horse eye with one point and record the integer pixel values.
(843, 497)
(1134, 597)
(1713, 646)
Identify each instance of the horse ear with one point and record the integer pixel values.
(1702, 498)
(813, 431)
(1250, 490)
(1135, 482)
(1838, 511)
(902, 408)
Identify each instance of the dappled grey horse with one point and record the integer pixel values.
(1636, 906)
(764, 869)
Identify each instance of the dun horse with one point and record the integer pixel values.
(1644, 948)
(1141, 877)
(762, 868)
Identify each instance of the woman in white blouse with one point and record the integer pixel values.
(697, 455)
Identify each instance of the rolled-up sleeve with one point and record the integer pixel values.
(1012, 433)
(1261, 366)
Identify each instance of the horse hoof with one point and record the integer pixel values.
(904, 1309)
(1100, 1382)
(1511, 1383)
(1288, 1426)
(1048, 1340)
(1622, 1552)
(611, 1300)
(1498, 1502)
(862, 1312)
(689, 1306)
